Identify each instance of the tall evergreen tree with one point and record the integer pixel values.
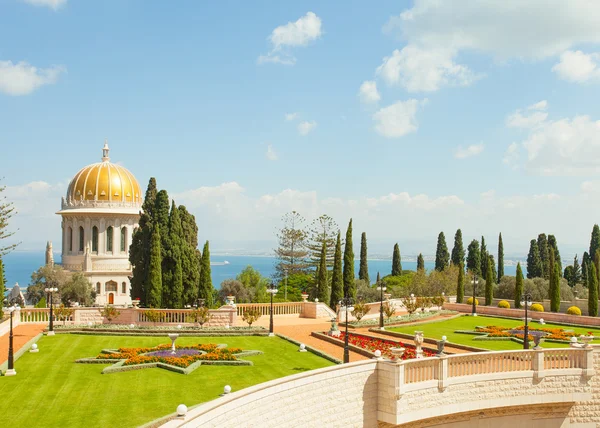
(205, 291)
(337, 282)
(323, 293)
(592, 290)
(585, 259)
(458, 251)
(555, 289)
(576, 271)
(190, 256)
(292, 250)
(173, 277)
(349, 285)
(2, 281)
(154, 284)
(378, 278)
(7, 210)
(489, 283)
(396, 261)
(534, 263)
(519, 286)
(161, 217)
(420, 263)
(484, 258)
(597, 265)
(554, 245)
(363, 271)
(542, 243)
(442, 256)
(321, 229)
(474, 258)
(594, 241)
(494, 272)
(500, 258)
(460, 286)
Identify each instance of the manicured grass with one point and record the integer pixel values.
(51, 390)
(435, 330)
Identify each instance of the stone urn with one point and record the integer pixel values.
(135, 303)
(397, 353)
(418, 343)
(173, 337)
(334, 330)
(304, 297)
(586, 340)
(230, 300)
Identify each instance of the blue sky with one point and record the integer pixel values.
(482, 116)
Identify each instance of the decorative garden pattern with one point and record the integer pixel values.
(373, 344)
(185, 358)
(494, 332)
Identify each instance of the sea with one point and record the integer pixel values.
(19, 266)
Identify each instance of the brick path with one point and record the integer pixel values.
(21, 335)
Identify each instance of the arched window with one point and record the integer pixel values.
(70, 238)
(110, 286)
(109, 239)
(98, 288)
(123, 287)
(94, 239)
(123, 239)
(81, 236)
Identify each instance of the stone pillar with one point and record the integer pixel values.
(537, 363)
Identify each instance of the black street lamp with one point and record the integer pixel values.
(50, 291)
(272, 290)
(526, 301)
(381, 287)
(11, 359)
(346, 305)
(474, 308)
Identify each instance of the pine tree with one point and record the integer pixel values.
(396, 261)
(154, 284)
(534, 263)
(7, 210)
(554, 245)
(420, 263)
(321, 230)
(592, 290)
(542, 243)
(205, 291)
(555, 289)
(460, 286)
(489, 283)
(500, 258)
(484, 258)
(519, 286)
(363, 271)
(337, 283)
(349, 285)
(2, 281)
(458, 251)
(594, 241)
(474, 258)
(442, 256)
(323, 292)
(292, 247)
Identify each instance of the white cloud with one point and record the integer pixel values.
(511, 156)
(590, 187)
(271, 155)
(533, 117)
(578, 67)
(304, 128)
(472, 150)
(290, 116)
(398, 119)
(293, 34)
(52, 4)
(368, 92)
(22, 78)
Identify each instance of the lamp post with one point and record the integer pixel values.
(474, 308)
(271, 289)
(381, 288)
(346, 304)
(526, 301)
(50, 291)
(11, 359)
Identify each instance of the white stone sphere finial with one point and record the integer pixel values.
(182, 410)
(227, 389)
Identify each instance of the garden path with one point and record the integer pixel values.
(21, 335)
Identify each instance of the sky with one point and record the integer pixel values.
(410, 117)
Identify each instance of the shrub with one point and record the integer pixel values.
(251, 315)
(200, 315)
(360, 310)
(389, 310)
(537, 307)
(154, 316)
(109, 313)
(470, 301)
(424, 303)
(574, 310)
(438, 301)
(503, 304)
(410, 304)
(63, 313)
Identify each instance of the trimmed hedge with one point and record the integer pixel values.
(503, 304)
(470, 301)
(536, 307)
(574, 310)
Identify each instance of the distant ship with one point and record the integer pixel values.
(219, 263)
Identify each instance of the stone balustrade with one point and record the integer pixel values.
(284, 308)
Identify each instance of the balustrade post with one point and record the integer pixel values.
(588, 362)
(442, 372)
(537, 363)
(399, 383)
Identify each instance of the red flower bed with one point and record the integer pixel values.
(373, 344)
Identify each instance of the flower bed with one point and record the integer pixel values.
(373, 344)
(502, 333)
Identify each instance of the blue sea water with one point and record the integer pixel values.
(19, 265)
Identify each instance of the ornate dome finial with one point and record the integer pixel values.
(105, 151)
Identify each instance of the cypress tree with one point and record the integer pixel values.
(597, 265)
(173, 285)
(585, 259)
(420, 263)
(489, 283)
(161, 217)
(396, 261)
(337, 283)
(190, 256)
(458, 251)
(378, 278)
(500, 258)
(519, 286)
(460, 286)
(484, 258)
(534, 263)
(594, 242)
(442, 256)
(576, 271)
(363, 271)
(323, 293)
(154, 284)
(349, 285)
(494, 272)
(205, 290)
(542, 243)
(554, 245)
(555, 288)
(592, 290)
(474, 258)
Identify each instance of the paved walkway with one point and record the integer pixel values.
(21, 335)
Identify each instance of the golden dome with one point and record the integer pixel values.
(104, 182)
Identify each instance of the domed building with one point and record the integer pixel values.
(99, 215)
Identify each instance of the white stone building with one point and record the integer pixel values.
(99, 215)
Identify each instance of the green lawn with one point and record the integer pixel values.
(51, 390)
(435, 330)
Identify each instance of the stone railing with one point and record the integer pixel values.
(35, 315)
(286, 308)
